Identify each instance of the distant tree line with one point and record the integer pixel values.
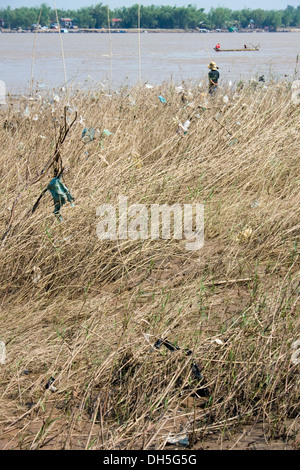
(153, 16)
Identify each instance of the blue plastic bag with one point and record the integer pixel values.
(88, 133)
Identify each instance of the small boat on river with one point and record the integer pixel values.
(245, 49)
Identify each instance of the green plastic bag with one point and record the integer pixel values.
(60, 194)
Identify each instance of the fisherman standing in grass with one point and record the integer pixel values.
(213, 77)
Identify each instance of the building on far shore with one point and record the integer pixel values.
(2, 23)
(66, 22)
(116, 22)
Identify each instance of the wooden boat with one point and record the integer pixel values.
(245, 49)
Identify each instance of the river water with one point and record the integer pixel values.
(163, 56)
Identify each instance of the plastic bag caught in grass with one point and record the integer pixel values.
(296, 354)
(2, 352)
(56, 99)
(161, 99)
(88, 134)
(107, 132)
(183, 128)
(179, 89)
(36, 274)
(217, 341)
(60, 194)
(26, 112)
(182, 440)
(255, 204)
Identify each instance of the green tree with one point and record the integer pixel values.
(219, 17)
(273, 19)
(259, 17)
(99, 14)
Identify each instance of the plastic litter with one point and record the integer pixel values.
(49, 385)
(183, 128)
(200, 391)
(255, 204)
(225, 99)
(26, 112)
(180, 129)
(295, 356)
(182, 440)
(179, 89)
(167, 344)
(88, 134)
(104, 133)
(161, 99)
(2, 352)
(217, 340)
(186, 125)
(148, 86)
(60, 194)
(107, 132)
(36, 274)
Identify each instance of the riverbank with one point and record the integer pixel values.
(84, 318)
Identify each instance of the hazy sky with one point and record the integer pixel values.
(207, 4)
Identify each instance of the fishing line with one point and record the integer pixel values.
(139, 41)
(206, 48)
(61, 45)
(110, 45)
(33, 50)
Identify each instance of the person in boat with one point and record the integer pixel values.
(217, 46)
(213, 77)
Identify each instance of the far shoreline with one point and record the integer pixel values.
(143, 31)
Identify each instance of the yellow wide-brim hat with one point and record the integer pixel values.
(213, 66)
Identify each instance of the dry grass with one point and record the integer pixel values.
(92, 318)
